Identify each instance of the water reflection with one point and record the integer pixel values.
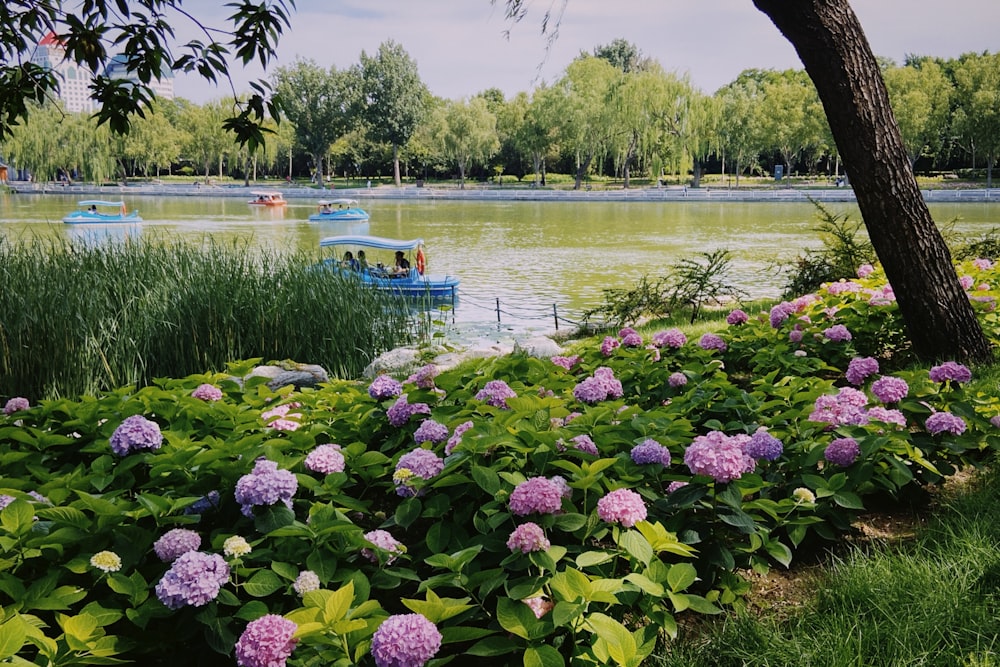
(102, 233)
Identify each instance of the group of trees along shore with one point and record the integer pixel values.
(610, 112)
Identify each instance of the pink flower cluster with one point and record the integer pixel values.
(421, 463)
(846, 408)
(539, 606)
(622, 506)
(630, 337)
(265, 485)
(865, 270)
(838, 333)
(566, 362)
(945, 422)
(609, 345)
(400, 412)
(326, 459)
(528, 537)
(780, 313)
(585, 444)
(207, 392)
(737, 317)
(136, 433)
(384, 541)
(860, 368)
(424, 377)
(175, 543)
(266, 642)
(405, 640)
(719, 456)
(674, 338)
(711, 341)
(842, 451)
(950, 370)
(539, 495)
(890, 389)
(496, 393)
(16, 404)
(600, 386)
(456, 437)
(195, 578)
(430, 431)
(383, 387)
(281, 417)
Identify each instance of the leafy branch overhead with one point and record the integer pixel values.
(93, 32)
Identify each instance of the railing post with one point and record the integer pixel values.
(498, 310)
(555, 314)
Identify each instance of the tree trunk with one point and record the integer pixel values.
(395, 165)
(581, 170)
(833, 48)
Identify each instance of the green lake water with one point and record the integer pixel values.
(532, 257)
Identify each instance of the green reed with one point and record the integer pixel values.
(79, 318)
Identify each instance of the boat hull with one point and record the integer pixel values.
(347, 215)
(413, 286)
(86, 217)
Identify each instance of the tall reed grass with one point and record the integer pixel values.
(78, 318)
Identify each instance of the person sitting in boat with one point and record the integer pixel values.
(349, 261)
(402, 267)
(92, 209)
(362, 261)
(325, 208)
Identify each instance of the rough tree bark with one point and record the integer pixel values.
(833, 48)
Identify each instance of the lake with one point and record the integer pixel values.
(534, 258)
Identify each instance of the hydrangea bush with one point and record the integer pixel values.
(514, 510)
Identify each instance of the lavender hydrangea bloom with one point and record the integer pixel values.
(607, 378)
(860, 368)
(622, 506)
(673, 486)
(536, 495)
(456, 437)
(384, 540)
(565, 362)
(207, 392)
(846, 408)
(632, 339)
(650, 451)
(609, 345)
(880, 414)
(950, 370)
(405, 640)
(945, 422)
(421, 463)
(6, 499)
(737, 317)
(400, 412)
(890, 389)
(424, 377)
(590, 390)
(585, 444)
(842, 451)
(383, 387)
(266, 485)
(326, 459)
(267, 642)
(195, 579)
(16, 404)
(674, 338)
(995, 421)
(281, 417)
(496, 393)
(838, 333)
(780, 313)
(175, 543)
(865, 270)
(136, 433)
(763, 446)
(430, 431)
(719, 456)
(711, 341)
(528, 537)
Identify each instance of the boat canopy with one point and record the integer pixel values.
(100, 202)
(268, 193)
(339, 202)
(371, 242)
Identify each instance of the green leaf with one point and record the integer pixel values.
(408, 512)
(68, 515)
(517, 618)
(13, 634)
(543, 656)
(251, 611)
(339, 603)
(263, 583)
(570, 522)
(487, 479)
(285, 570)
(454, 634)
(17, 518)
(636, 545)
(848, 500)
(779, 552)
(591, 558)
(620, 642)
(681, 575)
(274, 517)
(646, 584)
(492, 646)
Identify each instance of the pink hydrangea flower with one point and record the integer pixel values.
(565, 362)
(780, 313)
(281, 417)
(890, 389)
(405, 640)
(207, 392)
(737, 317)
(266, 642)
(860, 369)
(674, 338)
(383, 387)
(384, 540)
(677, 379)
(950, 370)
(136, 433)
(175, 543)
(528, 537)
(865, 270)
(673, 486)
(400, 412)
(846, 408)
(16, 404)
(632, 339)
(326, 459)
(609, 345)
(195, 578)
(421, 463)
(430, 431)
(539, 606)
(838, 333)
(536, 495)
(711, 341)
(265, 485)
(622, 506)
(945, 422)
(456, 437)
(424, 377)
(719, 456)
(880, 414)
(496, 393)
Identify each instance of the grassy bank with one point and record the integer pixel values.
(78, 318)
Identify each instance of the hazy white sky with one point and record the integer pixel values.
(461, 48)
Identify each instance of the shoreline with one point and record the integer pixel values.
(495, 193)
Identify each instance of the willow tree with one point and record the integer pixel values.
(467, 132)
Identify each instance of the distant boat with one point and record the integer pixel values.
(97, 211)
(334, 210)
(267, 198)
(381, 271)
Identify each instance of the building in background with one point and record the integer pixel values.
(163, 88)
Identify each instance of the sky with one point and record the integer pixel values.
(463, 47)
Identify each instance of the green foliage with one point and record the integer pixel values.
(84, 318)
(844, 249)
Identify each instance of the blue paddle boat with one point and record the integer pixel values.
(97, 210)
(388, 264)
(339, 210)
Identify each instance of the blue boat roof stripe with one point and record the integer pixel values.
(371, 242)
(100, 202)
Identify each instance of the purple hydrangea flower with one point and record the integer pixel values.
(590, 390)
(626, 331)
(860, 368)
(536, 495)
(842, 451)
(281, 417)
(632, 339)
(16, 404)
(950, 370)
(880, 414)
(622, 506)
(528, 537)
(719, 456)
(405, 640)
(890, 389)
(496, 393)
(136, 433)
(326, 459)
(796, 335)
(207, 392)
(266, 642)
(737, 317)
(585, 444)
(265, 485)
(711, 341)
(609, 345)
(6, 499)
(995, 421)
(650, 451)
(966, 282)
(195, 579)
(673, 486)
(384, 540)
(565, 362)
(421, 463)
(674, 338)
(982, 263)
(430, 431)
(945, 422)
(456, 437)
(780, 313)
(846, 408)
(677, 380)
(400, 412)
(838, 333)
(383, 387)
(865, 270)
(175, 543)
(763, 446)
(424, 377)
(539, 605)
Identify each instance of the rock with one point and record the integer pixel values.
(299, 375)
(541, 347)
